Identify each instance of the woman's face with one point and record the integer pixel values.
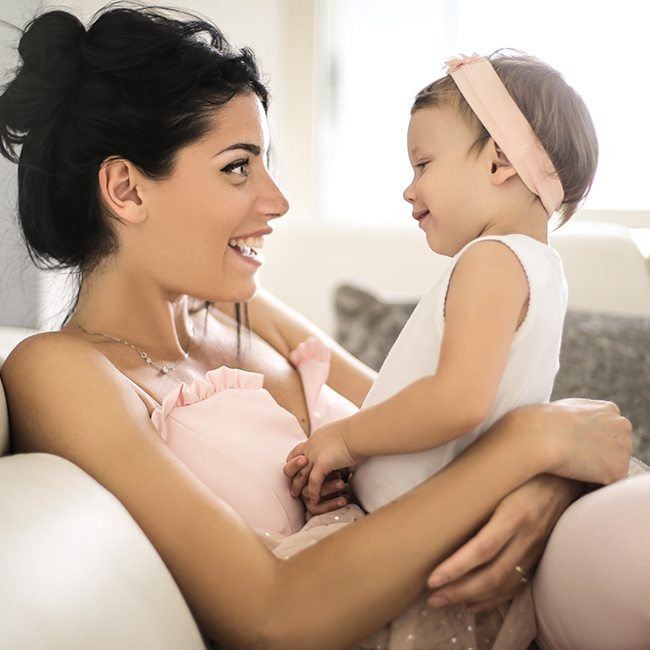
(206, 223)
(448, 188)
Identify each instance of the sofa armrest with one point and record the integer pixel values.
(9, 338)
(77, 571)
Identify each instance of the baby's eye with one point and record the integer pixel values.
(422, 165)
(237, 167)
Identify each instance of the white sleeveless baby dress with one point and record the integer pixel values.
(527, 379)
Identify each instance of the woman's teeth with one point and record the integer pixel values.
(250, 247)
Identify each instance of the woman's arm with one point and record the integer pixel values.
(327, 596)
(348, 376)
(480, 573)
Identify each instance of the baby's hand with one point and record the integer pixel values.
(335, 491)
(326, 450)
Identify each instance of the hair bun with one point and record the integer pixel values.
(51, 52)
(50, 45)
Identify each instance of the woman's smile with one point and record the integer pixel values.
(246, 253)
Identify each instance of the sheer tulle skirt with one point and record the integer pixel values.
(511, 626)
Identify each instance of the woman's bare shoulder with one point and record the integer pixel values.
(40, 369)
(67, 399)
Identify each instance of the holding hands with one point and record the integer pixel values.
(323, 452)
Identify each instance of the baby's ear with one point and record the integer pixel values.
(501, 169)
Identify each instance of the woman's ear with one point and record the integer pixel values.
(501, 169)
(120, 186)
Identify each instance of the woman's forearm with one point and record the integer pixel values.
(349, 584)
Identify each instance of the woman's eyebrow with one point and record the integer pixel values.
(253, 148)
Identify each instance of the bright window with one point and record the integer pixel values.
(374, 55)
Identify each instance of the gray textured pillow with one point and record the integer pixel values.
(602, 356)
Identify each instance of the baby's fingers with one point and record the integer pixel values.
(316, 478)
(298, 450)
(292, 467)
(300, 480)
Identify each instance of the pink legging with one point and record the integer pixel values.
(592, 586)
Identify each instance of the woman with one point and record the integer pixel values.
(143, 169)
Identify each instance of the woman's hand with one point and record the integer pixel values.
(482, 572)
(590, 440)
(326, 450)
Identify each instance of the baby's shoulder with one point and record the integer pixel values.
(490, 260)
(513, 254)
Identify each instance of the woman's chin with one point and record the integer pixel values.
(244, 292)
(249, 294)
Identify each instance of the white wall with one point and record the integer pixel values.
(19, 279)
(306, 259)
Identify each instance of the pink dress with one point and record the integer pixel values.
(235, 437)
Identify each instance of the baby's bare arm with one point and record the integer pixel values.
(486, 293)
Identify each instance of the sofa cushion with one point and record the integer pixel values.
(602, 357)
(77, 570)
(9, 338)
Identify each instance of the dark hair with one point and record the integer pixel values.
(138, 84)
(555, 111)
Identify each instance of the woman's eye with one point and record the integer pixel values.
(422, 165)
(237, 167)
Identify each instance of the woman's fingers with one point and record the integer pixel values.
(483, 571)
(498, 580)
(485, 605)
(326, 505)
(329, 488)
(484, 546)
(333, 495)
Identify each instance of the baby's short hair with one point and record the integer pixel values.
(555, 111)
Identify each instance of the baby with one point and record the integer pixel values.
(498, 146)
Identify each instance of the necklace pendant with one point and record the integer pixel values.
(164, 370)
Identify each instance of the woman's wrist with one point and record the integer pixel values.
(531, 423)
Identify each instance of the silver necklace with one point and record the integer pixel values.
(164, 369)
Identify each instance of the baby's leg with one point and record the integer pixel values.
(592, 586)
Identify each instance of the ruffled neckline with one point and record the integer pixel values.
(312, 356)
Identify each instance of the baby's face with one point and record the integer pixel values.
(450, 188)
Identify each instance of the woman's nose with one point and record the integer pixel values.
(273, 203)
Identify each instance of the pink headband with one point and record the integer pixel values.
(500, 115)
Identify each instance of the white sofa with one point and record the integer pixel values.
(77, 572)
